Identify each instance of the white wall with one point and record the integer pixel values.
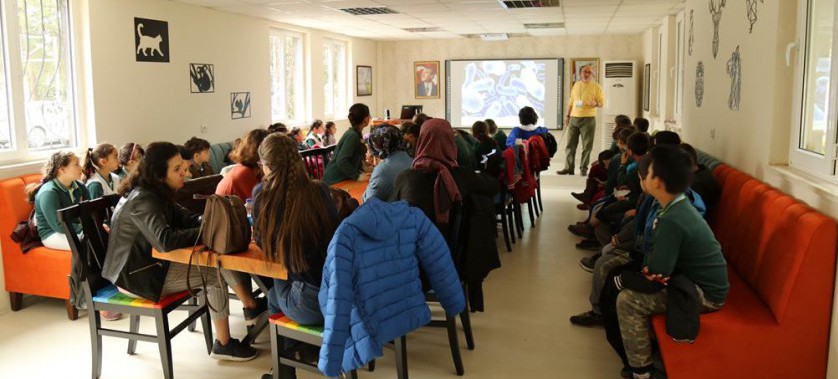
(143, 102)
(754, 139)
(121, 100)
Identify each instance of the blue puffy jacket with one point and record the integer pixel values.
(371, 292)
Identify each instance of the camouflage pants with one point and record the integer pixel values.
(610, 259)
(633, 312)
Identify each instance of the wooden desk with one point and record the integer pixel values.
(394, 122)
(355, 188)
(250, 262)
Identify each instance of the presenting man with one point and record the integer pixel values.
(427, 87)
(585, 97)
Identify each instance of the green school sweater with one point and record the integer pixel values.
(51, 197)
(684, 244)
(346, 164)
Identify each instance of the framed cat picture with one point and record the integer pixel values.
(151, 40)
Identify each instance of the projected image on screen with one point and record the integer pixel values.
(497, 89)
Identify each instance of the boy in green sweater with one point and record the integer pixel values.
(682, 244)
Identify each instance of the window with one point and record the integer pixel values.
(813, 138)
(679, 65)
(335, 87)
(287, 82)
(37, 105)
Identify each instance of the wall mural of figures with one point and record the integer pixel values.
(752, 13)
(691, 41)
(734, 70)
(699, 83)
(716, 14)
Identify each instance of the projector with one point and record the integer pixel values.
(494, 37)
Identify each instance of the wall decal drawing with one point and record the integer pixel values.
(699, 83)
(752, 13)
(734, 69)
(201, 78)
(239, 105)
(692, 33)
(151, 40)
(716, 15)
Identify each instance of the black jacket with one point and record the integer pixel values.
(141, 221)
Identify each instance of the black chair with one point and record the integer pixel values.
(505, 218)
(89, 252)
(316, 160)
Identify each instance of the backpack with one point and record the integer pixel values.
(550, 141)
(26, 234)
(224, 227)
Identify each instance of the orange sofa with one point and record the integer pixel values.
(41, 271)
(781, 265)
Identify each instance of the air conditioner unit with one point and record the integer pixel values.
(620, 88)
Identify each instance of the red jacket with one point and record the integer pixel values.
(239, 181)
(538, 155)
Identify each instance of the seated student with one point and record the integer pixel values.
(486, 152)
(329, 135)
(349, 153)
(129, 158)
(278, 127)
(465, 151)
(246, 173)
(410, 130)
(596, 180)
(387, 143)
(199, 157)
(294, 224)
(436, 181)
(147, 217)
(314, 139)
(641, 124)
(498, 135)
(99, 166)
(297, 135)
(703, 182)
(528, 119)
(59, 188)
(682, 245)
(620, 121)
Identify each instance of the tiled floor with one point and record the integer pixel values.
(524, 332)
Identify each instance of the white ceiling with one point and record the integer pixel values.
(455, 17)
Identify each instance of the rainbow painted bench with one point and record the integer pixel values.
(111, 295)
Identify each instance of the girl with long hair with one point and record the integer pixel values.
(314, 139)
(99, 166)
(148, 217)
(329, 138)
(294, 218)
(60, 187)
(129, 158)
(246, 173)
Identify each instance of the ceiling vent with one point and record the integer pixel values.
(518, 4)
(545, 25)
(368, 11)
(424, 30)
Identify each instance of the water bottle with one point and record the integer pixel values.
(387, 114)
(248, 207)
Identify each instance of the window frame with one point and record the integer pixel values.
(339, 111)
(11, 50)
(300, 78)
(679, 66)
(822, 165)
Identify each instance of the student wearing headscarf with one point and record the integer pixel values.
(387, 143)
(435, 181)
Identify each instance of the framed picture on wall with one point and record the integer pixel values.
(426, 79)
(576, 65)
(201, 78)
(647, 80)
(239, 105)
(151, 40)
(363, 80)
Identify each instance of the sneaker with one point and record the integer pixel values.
(583, 172)
(589, 245)
(252, 316)
(233, 351)
(589, 319)
(566, 171)
(582, 207)
(110, 315)
(578, 196)
(588, 263)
